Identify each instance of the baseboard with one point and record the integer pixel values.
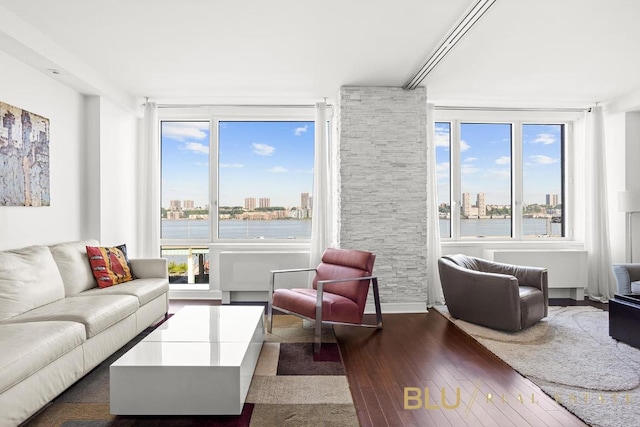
(397, 307)
(195, 294)
(573, 293)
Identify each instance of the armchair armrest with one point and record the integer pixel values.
(490, 299)
(527, 276)
(272, 280)
(150, 268)
(535, 277)
(626, 273)
(350, 279)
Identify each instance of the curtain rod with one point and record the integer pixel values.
(239, 105)
(541, 109)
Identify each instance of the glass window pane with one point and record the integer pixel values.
(187, 264)
(443, 171)
(543, 195)
(185, 179)
(485, 168)
(265, 179)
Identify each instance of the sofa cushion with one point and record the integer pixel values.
(144, 289)
(110, 265)
(97, 313)
(29, 278)
(72, 261)
(28, 347)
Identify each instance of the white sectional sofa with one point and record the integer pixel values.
(56, 325)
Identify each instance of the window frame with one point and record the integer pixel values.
(214, 115)
(455, 117)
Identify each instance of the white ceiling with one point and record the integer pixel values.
(522, 52)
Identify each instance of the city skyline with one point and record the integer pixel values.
(486, 160)
(273, 158)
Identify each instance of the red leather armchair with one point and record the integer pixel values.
(339, 292)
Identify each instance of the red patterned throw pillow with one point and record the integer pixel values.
(110, 265)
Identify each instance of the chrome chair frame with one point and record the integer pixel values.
(319, 290)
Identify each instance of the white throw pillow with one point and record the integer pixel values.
(29, 278)
(72, 261)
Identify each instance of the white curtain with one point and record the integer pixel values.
(322, 210)
(149, 185)
(434, 287)
(601, 285)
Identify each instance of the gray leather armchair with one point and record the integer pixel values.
(627, 277)
(499, 296)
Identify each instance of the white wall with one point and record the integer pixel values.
(616, 140)
(111, 181)
(118, 151)
(29, 89)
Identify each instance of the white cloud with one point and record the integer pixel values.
(231, 165)
(277, 169)
(196, 147)
(442, 167)
(263, 149)
(442, 137)
(300, 130)
(545, 138)
(442, 171)
(543, 160)
(470, 159)
(185, 130)
(503, 160)
(500, 174)
(464, 146)
(468, 169)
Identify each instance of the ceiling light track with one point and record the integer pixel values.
(468, 20)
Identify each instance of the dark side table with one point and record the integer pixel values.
(624, 319)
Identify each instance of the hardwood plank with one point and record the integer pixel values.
(428, 353)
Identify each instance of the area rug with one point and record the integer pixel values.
(290, 387)
(572, 358)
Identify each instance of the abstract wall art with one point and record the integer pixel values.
(24, 158)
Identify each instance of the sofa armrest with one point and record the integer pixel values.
(148, 268)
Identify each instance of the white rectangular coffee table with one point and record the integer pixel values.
(199, 362)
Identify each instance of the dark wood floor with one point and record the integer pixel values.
(398, 377)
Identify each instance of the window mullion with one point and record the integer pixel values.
(213, 177)
(517, 172)
(456, 176)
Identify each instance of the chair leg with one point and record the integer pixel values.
(376, 300)
(318, 332)
(270, 304)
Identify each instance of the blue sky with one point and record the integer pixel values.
(257, 159)
(485, 158)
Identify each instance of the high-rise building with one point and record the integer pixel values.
(305, 200)
(265, 202)
(175, 205)
(188, 204)
(250, 203)
(466, 204)
(482, 207)
(552, 199)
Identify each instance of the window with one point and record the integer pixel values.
(542, 180)
(487, 168)
(232, 175)
(265, 179)
(485, 177)
(443, 171)
(184, 204)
